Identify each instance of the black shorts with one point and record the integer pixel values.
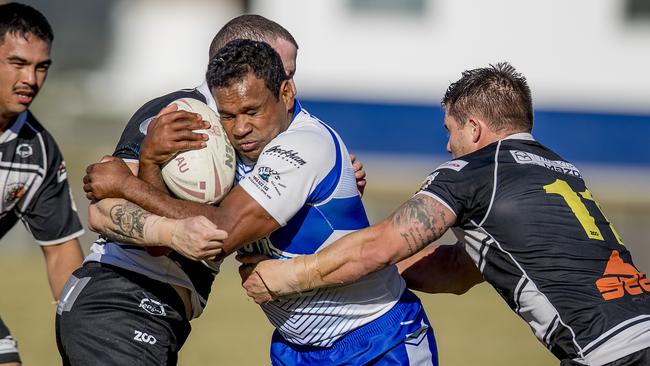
(639, 358)
(111, 316)
(8, 346)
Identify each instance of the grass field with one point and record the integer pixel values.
(473, 329)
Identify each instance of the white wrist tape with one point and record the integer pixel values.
(159, 230)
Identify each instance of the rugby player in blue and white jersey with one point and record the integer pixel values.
(119, 283)
(298, 194)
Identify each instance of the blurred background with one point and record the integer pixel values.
(376, 71)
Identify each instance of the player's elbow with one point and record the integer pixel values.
(376, 252)
(462, 289)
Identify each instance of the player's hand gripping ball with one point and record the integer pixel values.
(204, 175)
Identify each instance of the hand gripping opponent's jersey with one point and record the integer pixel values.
(34, 184)
(538, 236)
(174, 268)
(304, 179)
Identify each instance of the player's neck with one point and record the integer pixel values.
(6, 120)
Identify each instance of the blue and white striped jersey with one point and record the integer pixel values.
(304, 179)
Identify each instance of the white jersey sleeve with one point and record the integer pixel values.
(288, 171)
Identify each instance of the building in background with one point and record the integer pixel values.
(377, 70)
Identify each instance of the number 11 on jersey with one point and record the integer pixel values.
(579, 209)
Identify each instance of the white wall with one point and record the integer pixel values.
(158, 46)
(577, 54)
(574, 53)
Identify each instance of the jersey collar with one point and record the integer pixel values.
(521, 136)
(297, 108)
(12, 132)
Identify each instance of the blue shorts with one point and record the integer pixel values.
(402, 336)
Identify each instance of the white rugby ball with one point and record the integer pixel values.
(207, 174)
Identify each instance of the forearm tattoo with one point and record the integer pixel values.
(420, 221)
(129, 220)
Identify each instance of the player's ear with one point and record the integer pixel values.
(476, 128)
(287, 93)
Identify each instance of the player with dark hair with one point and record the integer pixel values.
(34, 185)
(525, 217)
(117, 275)
(296, 193)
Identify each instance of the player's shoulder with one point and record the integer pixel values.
(308, 129)
(152, 107)
(476, 161)
(33, 129)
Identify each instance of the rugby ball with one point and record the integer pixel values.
(205, 175)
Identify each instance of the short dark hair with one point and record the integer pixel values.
(249, 26)
(497, 93)
(23, 20)
(242, 56)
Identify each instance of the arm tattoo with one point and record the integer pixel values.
(420, 221)
(129, 219)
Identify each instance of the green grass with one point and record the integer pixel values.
(474, 329)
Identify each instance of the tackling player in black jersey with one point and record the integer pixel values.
(525, 222)
(33, 182)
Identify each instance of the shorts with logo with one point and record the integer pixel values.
(111, 316)
(403, 336)
(8, 346)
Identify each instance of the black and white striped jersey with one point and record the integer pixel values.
(538, 236)
(35, 188)
(174, 268)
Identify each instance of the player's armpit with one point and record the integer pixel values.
(440, 269)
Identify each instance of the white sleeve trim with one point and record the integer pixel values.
(61, 240)
(437, 198)
(129, 160)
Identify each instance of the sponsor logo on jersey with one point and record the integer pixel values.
(14, 192)
(456, 165)
(266, 179)
(428, 180)
(61, 173)
(153, 307)
(560, 166)
(267, 173)
(621, 278)
(144, 337)
(24, 150)
(287, 155)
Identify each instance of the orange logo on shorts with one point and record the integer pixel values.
(620, 278)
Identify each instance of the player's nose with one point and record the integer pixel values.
(242, 126)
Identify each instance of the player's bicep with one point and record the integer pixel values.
(244, 219)
(418, 222)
